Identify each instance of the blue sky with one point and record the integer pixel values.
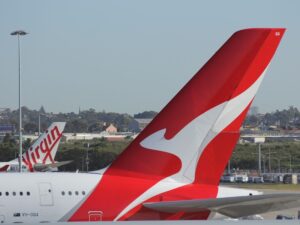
(131, 56)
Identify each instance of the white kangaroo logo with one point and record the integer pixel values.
(192, 139)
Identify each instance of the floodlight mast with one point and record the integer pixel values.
(19, 33)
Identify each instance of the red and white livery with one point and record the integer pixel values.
(40, 156)
(171, 171)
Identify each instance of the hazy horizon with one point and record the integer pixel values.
(81, 109)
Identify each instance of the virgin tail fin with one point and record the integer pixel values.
(44, 149)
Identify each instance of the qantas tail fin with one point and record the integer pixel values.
(192, 138)
(44, 149)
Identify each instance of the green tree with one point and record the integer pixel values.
(145, 114)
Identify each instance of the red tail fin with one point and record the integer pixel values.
(233, 72)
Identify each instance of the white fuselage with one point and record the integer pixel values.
(42, 197)
(49, 197)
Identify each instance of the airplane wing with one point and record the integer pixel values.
(233, 207)
(45, 167)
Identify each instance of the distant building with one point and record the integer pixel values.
(7, 129)
(90, 136)
(111, 129)
(142, 123)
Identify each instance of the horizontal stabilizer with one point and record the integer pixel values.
(233, 207)
(46, 167)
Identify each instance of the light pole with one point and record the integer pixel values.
(270, 159)
(39, 124)
(87, 157)
(40, 114)
(19, 33)
(259, 159)
(290, 156)
(228, 167)
(259, 141)
(278, 160)
(229, 163)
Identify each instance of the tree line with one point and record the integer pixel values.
(286, 119)
(98, 153)
(83, 121)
